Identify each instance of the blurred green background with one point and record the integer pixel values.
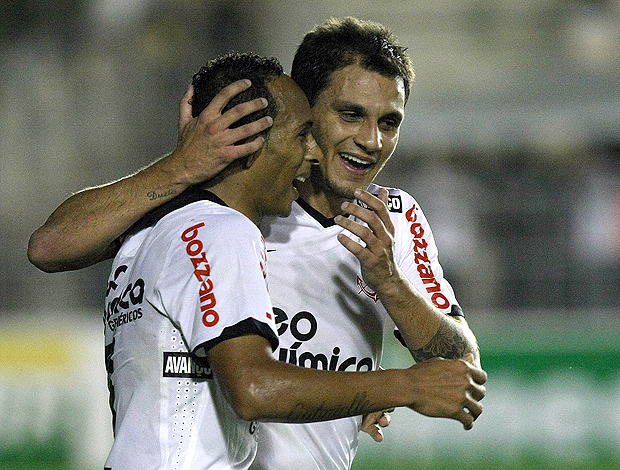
(510, 144)
(553, 400)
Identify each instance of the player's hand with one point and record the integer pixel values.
(449, 388)
(206, 143)
(377, 260)
(373, 424)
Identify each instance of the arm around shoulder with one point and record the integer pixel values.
(82, 230)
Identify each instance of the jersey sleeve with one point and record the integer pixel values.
(418, 257)
(213, 283)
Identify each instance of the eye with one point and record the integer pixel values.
(390, 124)
(305, 131)
(349, 116)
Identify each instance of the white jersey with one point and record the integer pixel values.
(328, 318)
(177, 288)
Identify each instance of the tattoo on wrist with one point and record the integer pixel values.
(152, 195)
(360, 405)
(449, 343)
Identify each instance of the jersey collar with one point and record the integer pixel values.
(316, 215)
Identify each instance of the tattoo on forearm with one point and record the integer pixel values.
(359, 405)
(152, 195)
(449, 343)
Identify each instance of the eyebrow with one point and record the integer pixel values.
(352, 106)
(306, 126)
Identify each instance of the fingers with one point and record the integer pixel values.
(467, 420)
(241, 110)
(237, 151)
(370, 427)
(373, 423)
(378, 205)
(227, 93)
(450, 390)
(353, 247)
(185, 108)
(247, 130)
(385, 419)
(479, 375)
(472, 408)
(217, 122)
(470, 413)
(213, 112)
(378, 234)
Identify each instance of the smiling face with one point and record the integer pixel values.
(357, 123)
(289, 151)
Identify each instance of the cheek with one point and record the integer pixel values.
(388, 147)
(325, 135)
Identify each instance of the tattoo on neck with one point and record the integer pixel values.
(152, 195)
(360, 405)
(448, 343)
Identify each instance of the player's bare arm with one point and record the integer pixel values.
(82, 230)
(426, 331)
(258, 387)
(451, 341)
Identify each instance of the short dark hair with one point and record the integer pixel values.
(339, 43)
(222, 71)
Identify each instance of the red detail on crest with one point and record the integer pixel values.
(364, 288)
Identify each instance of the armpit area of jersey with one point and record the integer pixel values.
(249, 326)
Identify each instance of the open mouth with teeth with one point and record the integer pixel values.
(356, 163)
(298, 179)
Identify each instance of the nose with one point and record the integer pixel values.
(313, 153)
(368, 137)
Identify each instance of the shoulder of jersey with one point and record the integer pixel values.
(215, 216)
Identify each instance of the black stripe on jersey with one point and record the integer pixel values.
(191, 194)
(320, 218)
(249, 326)
(395, 204)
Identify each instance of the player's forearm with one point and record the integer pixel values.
(453, 340)
(258, 387)
(81, 231)
(290, 394)
(427, 332)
